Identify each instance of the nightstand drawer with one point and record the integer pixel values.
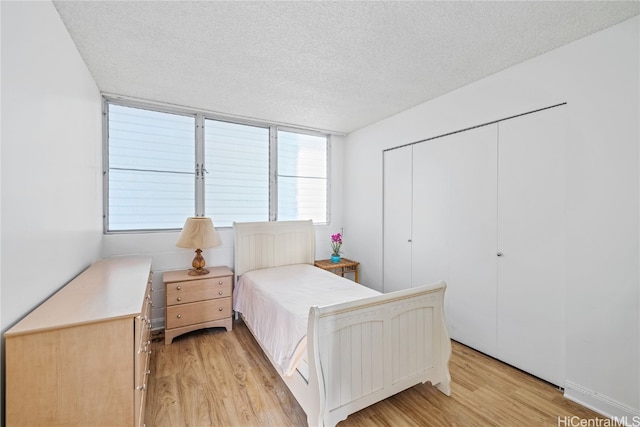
(198, 290)
(198, 312)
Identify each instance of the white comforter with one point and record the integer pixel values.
(275, 303)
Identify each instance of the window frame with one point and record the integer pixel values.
(198, 162)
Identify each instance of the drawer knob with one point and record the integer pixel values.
(220, 309)
(179, 299)
(179, 287)
(179, 316)
(220, 293)
(220, 282)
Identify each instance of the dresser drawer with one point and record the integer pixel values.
(143, 347)
(142, 368)
(198, 312)
(198, 290)
(142, 323)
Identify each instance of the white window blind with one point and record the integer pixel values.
(302, 177)
(150, 169)
(164, 166)
(237, 178)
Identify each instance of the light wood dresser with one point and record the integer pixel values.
(82, 357)
(196, 302)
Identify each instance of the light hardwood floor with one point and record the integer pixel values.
(218, 378)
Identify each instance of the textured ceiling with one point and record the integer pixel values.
(336, 66)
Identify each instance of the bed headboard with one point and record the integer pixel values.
(273, 244)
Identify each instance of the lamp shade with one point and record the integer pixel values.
(198, 233)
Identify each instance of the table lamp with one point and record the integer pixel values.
(198, 233)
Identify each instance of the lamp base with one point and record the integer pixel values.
(198, 272)
(198, 264)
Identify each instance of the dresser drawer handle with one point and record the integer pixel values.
(179, 316)
(220, 293)
(220, 282)
(220, 308)
(179, 299)
(178, 287)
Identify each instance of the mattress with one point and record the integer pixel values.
(275, 303)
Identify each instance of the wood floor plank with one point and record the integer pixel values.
(163, 403)
(218, 378)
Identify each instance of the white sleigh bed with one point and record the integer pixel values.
(352, 354)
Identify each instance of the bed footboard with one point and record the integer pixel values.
(364, 351)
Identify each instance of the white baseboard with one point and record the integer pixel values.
(602, 404)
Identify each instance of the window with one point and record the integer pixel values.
(302, 177)
(164, 166)
(237, 182)
(150, 169)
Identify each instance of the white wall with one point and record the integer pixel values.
(598, 77)
(166, 256)
(51, 159)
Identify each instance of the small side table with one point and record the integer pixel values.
(197, 302)
(344, 266)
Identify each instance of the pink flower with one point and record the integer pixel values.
(336, 243)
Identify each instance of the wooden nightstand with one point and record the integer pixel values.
(344, 266)
(196, 302)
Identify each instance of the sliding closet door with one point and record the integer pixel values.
(531, 240)
(454, 229)
(397, 219)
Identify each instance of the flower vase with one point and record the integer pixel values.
(335, 258)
